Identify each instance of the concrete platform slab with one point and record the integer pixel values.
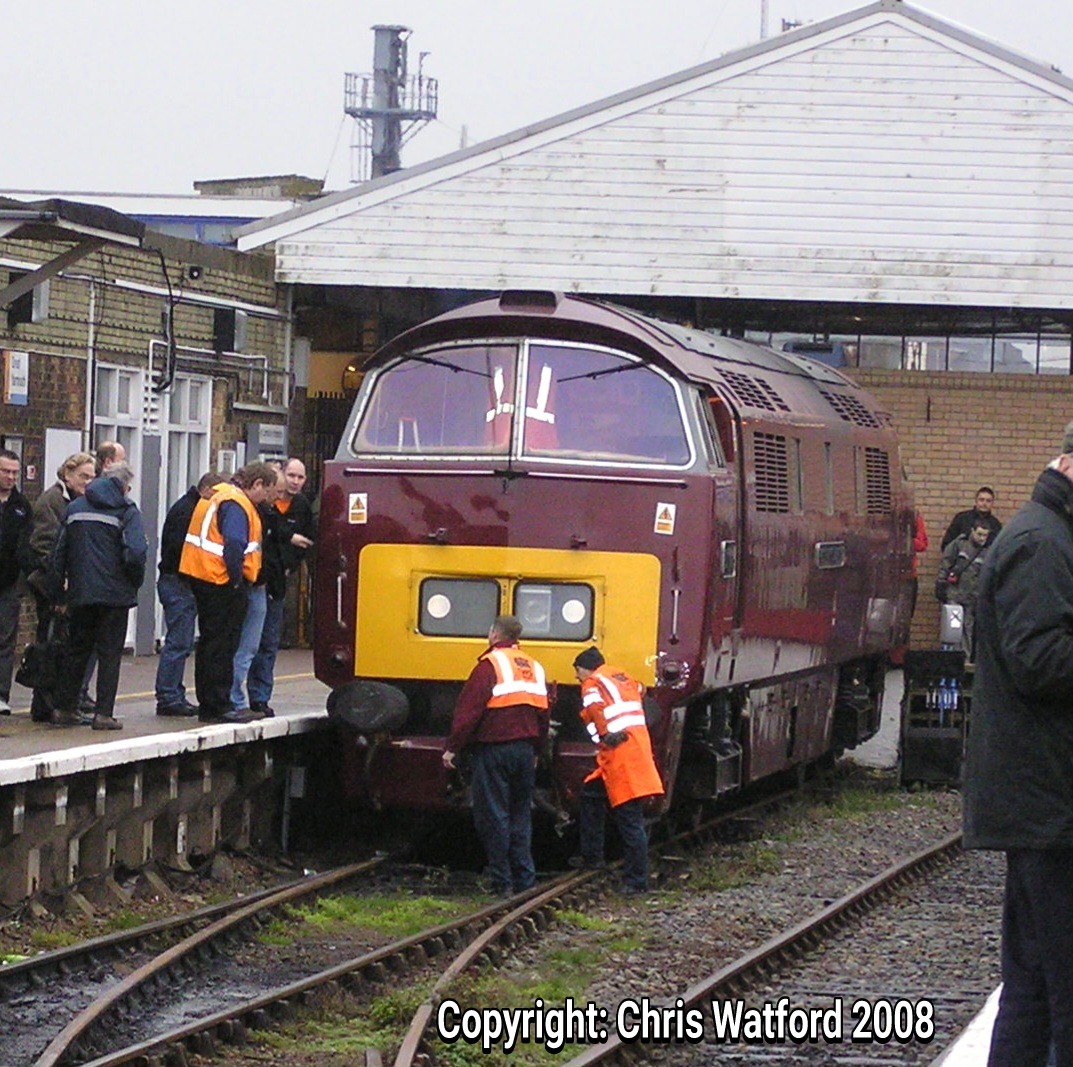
(30, 750)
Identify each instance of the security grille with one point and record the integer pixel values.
(755, 392)
(772, 463)
(877, 481)
(850, 409)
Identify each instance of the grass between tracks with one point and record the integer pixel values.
(393, 915)
(340, 1029)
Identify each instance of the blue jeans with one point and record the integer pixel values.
(503, 778)
(263, 667)
(248, 641)
(1036, 1006)
(180, 615)
(630, 820)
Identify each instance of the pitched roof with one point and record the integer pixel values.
(348, 201)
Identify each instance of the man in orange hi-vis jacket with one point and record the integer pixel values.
(625, 773)
(501, 718)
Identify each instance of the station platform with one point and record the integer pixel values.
(30, 750)
(78, 804)
(972, 1047)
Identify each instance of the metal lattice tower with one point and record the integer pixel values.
(388, 106)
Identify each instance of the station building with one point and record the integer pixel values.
(884, 190)
(181, 351)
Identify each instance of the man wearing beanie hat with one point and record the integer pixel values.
(502, 719)
(1018, 773)
(612, 710)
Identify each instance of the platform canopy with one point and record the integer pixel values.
(88, 226)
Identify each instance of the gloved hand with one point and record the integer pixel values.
(613, 740)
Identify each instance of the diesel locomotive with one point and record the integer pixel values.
(727, 522)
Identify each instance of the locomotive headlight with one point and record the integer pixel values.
(561, 611)
(457, 608)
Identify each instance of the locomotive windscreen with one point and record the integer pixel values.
(577, 403)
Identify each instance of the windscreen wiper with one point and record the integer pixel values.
(601, 373)
(450, 366)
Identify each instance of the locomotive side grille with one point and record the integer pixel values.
(772, 464)
(755, 392)
(850, 409)
(877, 481)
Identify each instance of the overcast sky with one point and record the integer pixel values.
(136, 96)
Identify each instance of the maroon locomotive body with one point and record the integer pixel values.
(727, 522)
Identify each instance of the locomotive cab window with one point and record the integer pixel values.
(589, 404)
(546, 400)
(451, 401)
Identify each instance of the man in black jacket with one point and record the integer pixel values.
(291, 536)
(177, 600)
(1018, 789)
(14, 536)
(962, 523)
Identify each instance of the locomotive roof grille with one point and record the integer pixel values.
(755, 392)
(772, 463)
(850, 409)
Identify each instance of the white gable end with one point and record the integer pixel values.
(879, 160)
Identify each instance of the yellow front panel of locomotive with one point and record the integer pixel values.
(389, 644)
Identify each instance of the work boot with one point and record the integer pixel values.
(106, 722)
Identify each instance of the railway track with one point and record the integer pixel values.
(126, 1022)
(859, 982)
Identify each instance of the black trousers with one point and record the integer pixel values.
(221, 610)
(99, 628)
(1036, 1005)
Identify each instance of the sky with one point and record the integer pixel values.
(136, 96)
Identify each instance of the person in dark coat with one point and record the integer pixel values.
(177, 600)
(962, 523)
(1018, 774)
(289, 538)
(100, 554)
(14, 542)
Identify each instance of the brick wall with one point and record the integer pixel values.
(959, 432)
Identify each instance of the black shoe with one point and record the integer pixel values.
(87, 705)
(233, 715)
(66, 718)
(106, 722)
(262, 709)
(183, 710)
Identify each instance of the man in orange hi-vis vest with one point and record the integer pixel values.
(221, 557)
(502, 718)
(612, 710)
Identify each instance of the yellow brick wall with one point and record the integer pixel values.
(959, 432)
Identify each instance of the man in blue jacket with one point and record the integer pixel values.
(100, 554)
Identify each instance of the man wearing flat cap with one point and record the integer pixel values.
(625, 774)
(502, 719)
